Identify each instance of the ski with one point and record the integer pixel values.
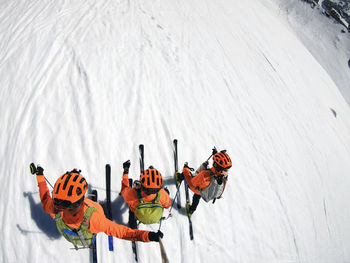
(133, 225)
(108, 205)
(178, 197)
(132, 219)
(187, 196)
(162, 252)
(142, 163)
(189, 217)
(94, 247)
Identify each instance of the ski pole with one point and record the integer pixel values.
(172, 205)
(214, 152)
(160, 223)
(48, 182)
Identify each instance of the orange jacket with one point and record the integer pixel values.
(198, 182)
(98, 221)
(130, 196)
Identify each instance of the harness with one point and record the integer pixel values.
(80, 236)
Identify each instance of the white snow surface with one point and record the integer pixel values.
(324, 37)
(84, 82)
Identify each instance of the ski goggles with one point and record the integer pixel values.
(65, 204)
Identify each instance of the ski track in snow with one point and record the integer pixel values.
(84, 82)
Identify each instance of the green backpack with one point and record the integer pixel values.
(148, 212)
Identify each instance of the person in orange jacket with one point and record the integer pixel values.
(207, 183)
(77, 218)
(149, 189)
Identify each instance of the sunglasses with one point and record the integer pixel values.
(149, 191)
(219, 168)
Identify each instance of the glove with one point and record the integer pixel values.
(36, 170)
(126, 166)
(186, 166)
(214, 151)
(39, 170)
(155, 236)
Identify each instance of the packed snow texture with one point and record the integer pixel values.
(84, 82)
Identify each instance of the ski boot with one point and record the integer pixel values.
(188, 209)
(179, 178)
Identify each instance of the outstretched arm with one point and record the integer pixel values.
(45, 196)
(125, 179)
(99, 223)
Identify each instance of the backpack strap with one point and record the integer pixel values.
(157, 198)
(86, 219)
(58, 216)
(212, 175)
(225, 181)
(139, 196)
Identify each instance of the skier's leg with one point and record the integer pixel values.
(195, 201)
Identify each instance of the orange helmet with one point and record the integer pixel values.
(222, 161)
(69, 190)
(151, 180)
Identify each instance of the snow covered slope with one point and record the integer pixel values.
(84, 82)
(324, 37)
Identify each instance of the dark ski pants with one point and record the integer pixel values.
(132, 220)
(195, 202)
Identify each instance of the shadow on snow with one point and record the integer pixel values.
(43, 220)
